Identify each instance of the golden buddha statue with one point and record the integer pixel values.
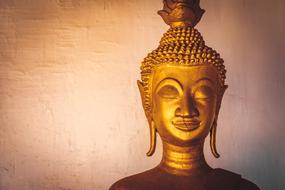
(183, 82)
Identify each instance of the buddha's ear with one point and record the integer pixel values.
(140, 85)
(220, 98)
(224, 90)
(142, 92)
(150, 122)
(214, 125)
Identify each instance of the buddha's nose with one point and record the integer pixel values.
(187, 108)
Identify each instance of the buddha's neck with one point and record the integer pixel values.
(184, 161)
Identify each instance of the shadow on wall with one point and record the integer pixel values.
(264, 33)
(253, 45)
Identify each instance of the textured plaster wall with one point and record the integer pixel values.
(70, 112)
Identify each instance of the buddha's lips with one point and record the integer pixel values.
(186, 124)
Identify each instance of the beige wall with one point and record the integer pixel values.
(70, 113)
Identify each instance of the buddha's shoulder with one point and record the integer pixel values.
(218, 179)
(135, 182)
(223, 179)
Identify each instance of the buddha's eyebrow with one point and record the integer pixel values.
(205, 79)
(169, 79)
(177, 83)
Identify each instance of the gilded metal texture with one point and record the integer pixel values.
(181, 46)
(182, 86)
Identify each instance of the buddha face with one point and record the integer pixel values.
(184, 100)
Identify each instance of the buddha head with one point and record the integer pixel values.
(182, 81)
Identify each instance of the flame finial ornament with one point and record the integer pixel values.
(177, 13)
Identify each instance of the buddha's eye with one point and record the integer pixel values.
(204, 92)
(168, 92)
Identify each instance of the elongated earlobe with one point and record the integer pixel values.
(213, 131)
(151, 123)
(213, 140)
(152, 139)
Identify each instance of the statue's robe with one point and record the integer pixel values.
(217, 179)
